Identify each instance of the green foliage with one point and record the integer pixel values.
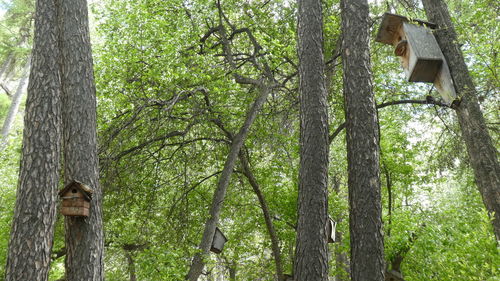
(9, 167)
(164, 87)
(4, 107)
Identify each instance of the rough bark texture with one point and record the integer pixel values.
(311, 252)
(482, 154)
(16, 101)
(35, 211)
(365, 210)
(267, 215)
(220, 192)
(84, 236)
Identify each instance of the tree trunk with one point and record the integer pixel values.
(311, 251)
(365, 210)
(35, 211)
(6, 64)
(16, 101)
(220, 192)
(482, 154)
(267, 215)
(131, 266)
(84, 236)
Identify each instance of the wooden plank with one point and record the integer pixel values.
(444, 84)
(391, 23)
(75, 211)
(75, 203)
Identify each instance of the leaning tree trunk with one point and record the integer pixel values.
(16, 101)
(311, 252)
(365, 210)
(6, 64)
(84, 236)
(220, 192)
(35, 211)
(275, 246)
(482, 154)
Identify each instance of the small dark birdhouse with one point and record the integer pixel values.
(76, 198)
(288, 277)
(218, 241)
(330, 230)
(419, 52)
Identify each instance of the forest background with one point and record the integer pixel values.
(161, 82)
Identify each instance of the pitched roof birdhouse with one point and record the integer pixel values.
(76, 198)
(420, 54)
(218, 241)
(331, 226)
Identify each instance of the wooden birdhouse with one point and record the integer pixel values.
(76, 198)
(419, 53)
(218, 241)
(330, 230)
(288, 277)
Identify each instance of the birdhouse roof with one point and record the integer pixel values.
(391, 23)
(83, 188)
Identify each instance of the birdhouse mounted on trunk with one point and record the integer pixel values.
(288, 277)
(330, 230)
(218, 241)
(419, 52)
(76, 198)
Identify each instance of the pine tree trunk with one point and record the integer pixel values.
(16, 101)
(35, 211)
(365, 210)
(220, 192)
(311, 251)
(84, 236)
(482, 154)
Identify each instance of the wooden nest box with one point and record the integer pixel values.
(331, 226)
(218, 241)
(421, 57)
(76, 198)
(415, 44)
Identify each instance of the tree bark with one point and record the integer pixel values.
(131, 266)
(311, 252)
(482, 154)
(16, 101)
(365, 210)
(220, 192)
(267, 215)
(84, 236)
(35, 211)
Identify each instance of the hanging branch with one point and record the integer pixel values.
(386, 104)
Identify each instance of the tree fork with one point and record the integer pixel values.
(220, 192)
